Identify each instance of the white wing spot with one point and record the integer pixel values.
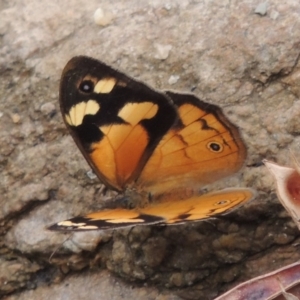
(133, 113)
(70, 223)
(105, 85)
(126, 221)
(78, 111)
(85, 227)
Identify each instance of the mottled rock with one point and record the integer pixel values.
(246, 63)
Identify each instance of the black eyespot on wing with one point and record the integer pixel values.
(86, 86)
(222, 202)
(215, 147)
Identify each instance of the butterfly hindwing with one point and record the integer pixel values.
(202, 147)
(195, 208)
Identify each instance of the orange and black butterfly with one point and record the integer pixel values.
(154, 147)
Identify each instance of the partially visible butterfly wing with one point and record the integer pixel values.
(116, 121)
(170, 212)
(202, 147)
(288, 188)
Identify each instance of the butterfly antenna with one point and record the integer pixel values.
(59, 246)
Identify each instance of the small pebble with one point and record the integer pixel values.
(102, 18)
(15, 118)
(168, 6)
(274, 14)
(91, 175)
(173, 79)
(47, 108)
(261, 9)
(162, 51)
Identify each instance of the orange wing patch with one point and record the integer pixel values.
(199, 151)
(113, 154)
(199, 207)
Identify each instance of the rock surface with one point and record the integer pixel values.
(246, 62)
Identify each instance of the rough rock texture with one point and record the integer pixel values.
(245, 62)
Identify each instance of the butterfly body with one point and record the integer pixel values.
(138, 139)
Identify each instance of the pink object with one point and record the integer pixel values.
(282, 284)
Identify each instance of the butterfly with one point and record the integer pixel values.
(156, 148)
(288, 187)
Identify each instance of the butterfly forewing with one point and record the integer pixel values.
(115, 120)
